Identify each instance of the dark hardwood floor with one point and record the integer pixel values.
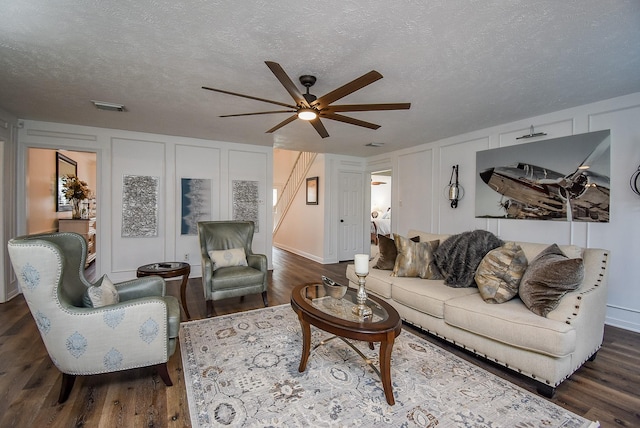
(607, 389)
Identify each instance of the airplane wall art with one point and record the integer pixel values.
(562, 179)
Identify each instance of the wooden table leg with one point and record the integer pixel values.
(183, 297)
(386, 346)
(306, 343)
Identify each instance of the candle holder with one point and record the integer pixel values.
(361, 309)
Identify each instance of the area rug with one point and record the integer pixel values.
(241, 370)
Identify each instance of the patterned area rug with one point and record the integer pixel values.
(242, 370)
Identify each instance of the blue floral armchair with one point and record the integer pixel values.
(140, 330)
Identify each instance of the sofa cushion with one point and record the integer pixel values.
(378, 281)
(549, 277)
(428, 296)
(426, 237)
(459, 256)
(387, 253)
(415, 258)
(499, 273)
(532, 249)
(427, 268)
(511, 323)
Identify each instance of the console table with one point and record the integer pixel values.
(85, 227)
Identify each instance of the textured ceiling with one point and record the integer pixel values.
(464, 65)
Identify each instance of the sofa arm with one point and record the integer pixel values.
(257, 261)
(585, 308)
(147, 286)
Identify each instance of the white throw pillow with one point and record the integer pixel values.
(102, 295)
(226, 258)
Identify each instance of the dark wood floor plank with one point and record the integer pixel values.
(607, 389)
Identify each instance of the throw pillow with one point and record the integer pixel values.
(386, 253)
(459, 255)
(227, 258)
(548, 278)
(101, 295)
(413, 257)
(427, 268)
(499, 273)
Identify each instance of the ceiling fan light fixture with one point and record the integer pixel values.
(307, 114)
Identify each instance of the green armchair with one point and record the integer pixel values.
(238, 277)
(139, 330)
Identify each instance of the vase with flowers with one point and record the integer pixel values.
(75, 190)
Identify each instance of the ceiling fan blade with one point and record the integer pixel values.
(347, 89)
(349, 120)
(281, 124)
(286, 81)
(249, 96)
(261, 112)
(369, 107)
(317, 124)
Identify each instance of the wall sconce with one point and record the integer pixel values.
(633, 182)
(456, 191)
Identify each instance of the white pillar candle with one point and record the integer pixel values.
(362, 263)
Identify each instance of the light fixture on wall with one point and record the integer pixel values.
(532, 134)
(455, 190)
(103, 105)
(633, 182)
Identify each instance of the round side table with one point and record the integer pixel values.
(170, 270)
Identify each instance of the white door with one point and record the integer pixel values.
(350, 215)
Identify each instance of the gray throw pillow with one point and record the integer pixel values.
(499, 273)
(459, 255)
(548, 278)
(101, 295)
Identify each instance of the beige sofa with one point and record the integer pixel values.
(547, 350)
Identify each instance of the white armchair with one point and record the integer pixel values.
(141, 330)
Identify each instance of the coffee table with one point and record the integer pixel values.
(314, 306)
(170, 270)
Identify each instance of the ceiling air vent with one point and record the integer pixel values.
(374, 144)
(101, 105)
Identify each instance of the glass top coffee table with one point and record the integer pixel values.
(315, 306)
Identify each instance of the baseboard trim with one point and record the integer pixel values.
(300, 253)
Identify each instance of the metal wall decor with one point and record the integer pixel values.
(139, 206)
(246, 198)
(196, 204)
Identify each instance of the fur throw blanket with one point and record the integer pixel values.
(458, 256)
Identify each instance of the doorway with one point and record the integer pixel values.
(380, 204)
(44, 211)
(350, 212)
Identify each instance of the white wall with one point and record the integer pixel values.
(312, 230)
(422, 173)
(168, 158)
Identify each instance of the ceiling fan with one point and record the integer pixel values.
(311, 108)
